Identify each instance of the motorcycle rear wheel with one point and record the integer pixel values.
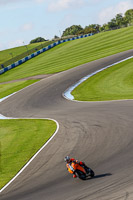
(81, 175)
(90, 172)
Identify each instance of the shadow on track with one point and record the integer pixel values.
(99, 176)
(102, 175)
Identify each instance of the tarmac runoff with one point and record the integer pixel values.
(67, 94)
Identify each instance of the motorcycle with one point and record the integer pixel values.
(83, 172)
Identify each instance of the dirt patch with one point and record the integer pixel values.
(42, 76)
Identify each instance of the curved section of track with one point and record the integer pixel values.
(99, 133)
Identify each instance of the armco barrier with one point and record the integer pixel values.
(40, 51)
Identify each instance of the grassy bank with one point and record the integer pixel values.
(19, 142)
(9, 56)
(74, 53)
(5, 55)
(111, 84)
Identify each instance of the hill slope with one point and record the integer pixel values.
(74, 53)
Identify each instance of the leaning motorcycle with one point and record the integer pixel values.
(80, 171)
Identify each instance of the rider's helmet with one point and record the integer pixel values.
(67, 159)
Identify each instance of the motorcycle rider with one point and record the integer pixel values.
(70, 160)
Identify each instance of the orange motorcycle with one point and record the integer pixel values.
(79, 170)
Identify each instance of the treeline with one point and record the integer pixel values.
(119, 21)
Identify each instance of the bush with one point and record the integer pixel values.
(38, 39)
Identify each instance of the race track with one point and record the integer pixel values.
(99, 133)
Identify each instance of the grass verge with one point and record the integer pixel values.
(20, 139)
(114, 83)
(9, 88)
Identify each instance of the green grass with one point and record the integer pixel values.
(74, 53)
(20, 52)
(114, 83)
(19, 142)
(5, 55)
(9, 88)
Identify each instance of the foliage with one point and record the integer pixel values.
(89, 30)
(78, 30)
(129, 16)
(119, 21)
(94, 27)
(38, 39)
(56, 37)
(72, 30)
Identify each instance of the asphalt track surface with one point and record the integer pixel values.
(99, 133)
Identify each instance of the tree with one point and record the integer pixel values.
(101, 28)
(72, 30)
(56, 37)
(112, 24)
(106, 27)
(129, 16)
(38, 39)
(81, 32)
(119, 20)
(89, 30)
(125, 21)
(94, 26)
